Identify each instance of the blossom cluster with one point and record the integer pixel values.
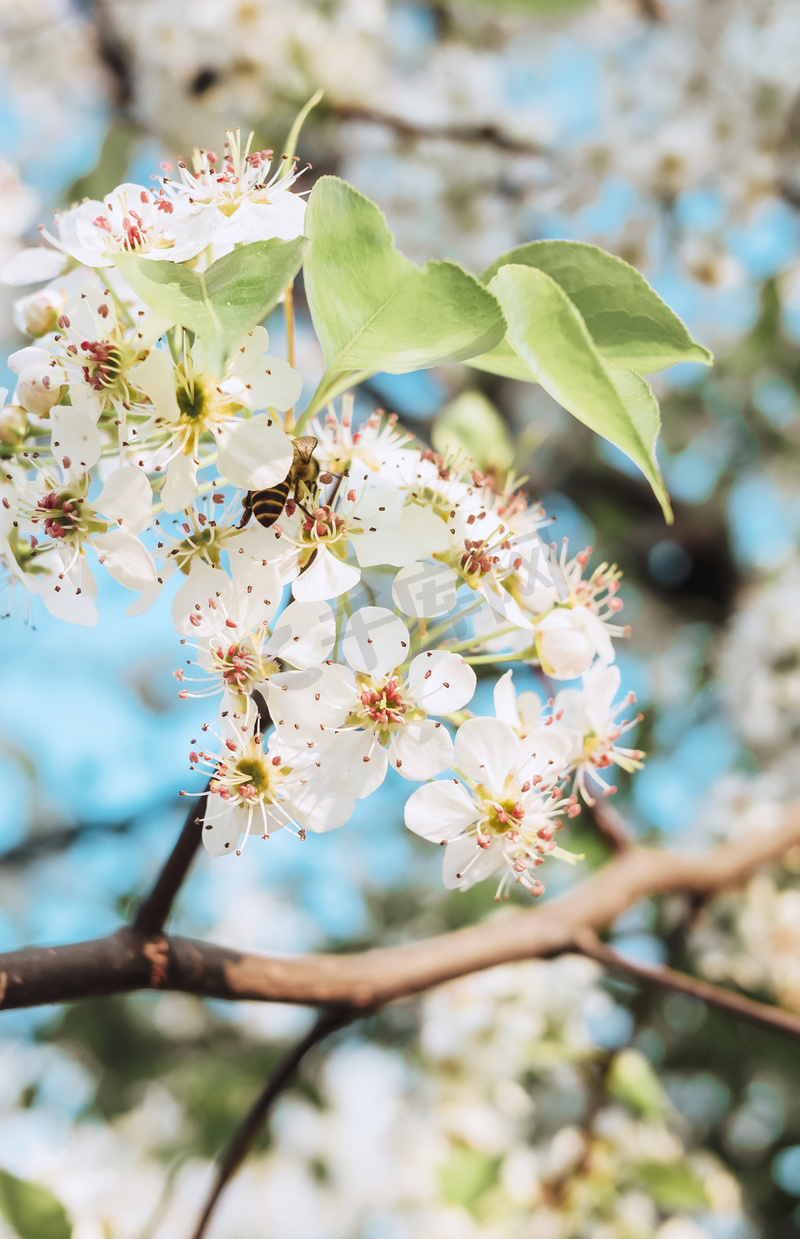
(496, 1120)
(334, 590)
(752, 938)
(695, 103)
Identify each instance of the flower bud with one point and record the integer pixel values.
(39, 387)
(38, 313)
(13, 425)
(564, 650)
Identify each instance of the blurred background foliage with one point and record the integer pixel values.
(539, 1102)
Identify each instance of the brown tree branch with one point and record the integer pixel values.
(242, 1139)
(489, 134)
(759, 1013)
(128, 961)
(153, 912)
(59, 839)
(612, 826)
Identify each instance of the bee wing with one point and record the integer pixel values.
(304, 446)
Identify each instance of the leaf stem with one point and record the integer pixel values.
(475, 659)
(332, 384)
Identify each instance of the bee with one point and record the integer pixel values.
(267, 505)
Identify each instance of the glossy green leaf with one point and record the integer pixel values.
(633, 1080)
(32, 1211)
(673, 1185)
(504, 361)
(550, 336)
(372, 308)
(472, 424)
(629, 323)
(224, 302)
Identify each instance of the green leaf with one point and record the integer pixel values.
(503, 360)
(472, 424)
(224, 302)
(549, 335)
(632, 1080)
(371, 307)
(673, 1185)
(466, 1175)
(32, 1211)
(629, 323)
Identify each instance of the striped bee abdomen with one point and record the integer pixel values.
(266, 505)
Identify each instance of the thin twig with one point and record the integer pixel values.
(38, 845)
(153, 912)
(242, 1139)
(759, 1013)
(612, 826)
(471, 134)
(126, 961)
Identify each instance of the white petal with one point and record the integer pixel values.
(597, 633)
(600, 687)
(326, 577)
(563, 647)
(353, 763)
(222, 826)
(32, 355)
(307, 703)
(155, 376)
(417, 532)
(201, 584)
(426, 590)
(151, 328)
(31, 266)
(505, 700)
(86, 320)
(68, 606)
(395, 534)
(441, 682)
(375, 641)
(421, 750)
(465, 863)
(147, 598)
(180, 487)
(487, 751)
(544, 752)
(255, 453)
(530, 709)
(75, 438)
(504, 606)
(262, 381)
(440, 811)
(127, 497)
(255, 593)
(124, 558)
(304, 634)
(318, 810)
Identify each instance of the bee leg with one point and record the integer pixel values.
(299, 502)
(306, 567)
(247, 511)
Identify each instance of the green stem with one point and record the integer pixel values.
(294, 133)
(330, 386)
(432, 633)
(499, 658)
(489, 636)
